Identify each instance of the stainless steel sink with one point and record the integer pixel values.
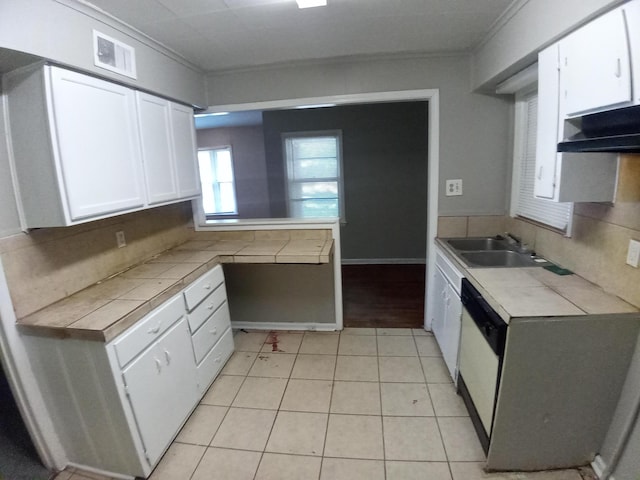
(474, 244)
(493, 252)
(498, 258)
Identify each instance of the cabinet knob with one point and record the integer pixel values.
(167, 356)
(213, 331)
(207, 286)
(210, 306)
(218, 359)
(158, 364)
(618, 72)
(155, 329)
(540, 172)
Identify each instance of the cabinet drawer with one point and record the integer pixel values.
(151, 327)
(214, 361)
(203, 311)
(198, 290)
(451, 273)
(208, 335)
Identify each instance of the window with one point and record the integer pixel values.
(313, 164)
(218, 185)
(523, 203)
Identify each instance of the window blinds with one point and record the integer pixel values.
(554, 214)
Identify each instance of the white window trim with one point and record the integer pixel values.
(311, 134)
(233, 173)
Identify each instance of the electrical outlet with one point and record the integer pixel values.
(453, 187)
(120, 240)
(633, 254)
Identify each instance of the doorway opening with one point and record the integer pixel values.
(383, 296)
(18, 457)
(429, 96)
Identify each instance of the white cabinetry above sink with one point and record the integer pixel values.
(595, 65)
(592, 70)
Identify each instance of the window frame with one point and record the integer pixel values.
(520, 140)
(340, 179)
(233, 174)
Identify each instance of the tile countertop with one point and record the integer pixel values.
(104, 310)
(532, 292)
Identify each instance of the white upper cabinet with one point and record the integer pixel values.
(157, 155)
(84, 148)
(101, 174)
(168, 149)
(548, 118)
(565, 177)
(75, 147)
(184, 147)
(589, 71)
(596, 65)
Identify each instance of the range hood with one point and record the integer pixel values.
(610, 131)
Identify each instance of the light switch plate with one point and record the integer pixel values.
(453, 187)
(633, 254)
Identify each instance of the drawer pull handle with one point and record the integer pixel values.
(213, 331)
(618, 72)
(218, 359)
(210, 306)
(167, 356)
(207, 286)
(158, 365)
(154, 330)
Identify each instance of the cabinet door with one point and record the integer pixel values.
(157, 156)
(439, 307)
(449, 347)
(162, 389)
(547, 122)
(595, 65)
(96, 143)
(184, 144)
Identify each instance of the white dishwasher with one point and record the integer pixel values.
(447, 311)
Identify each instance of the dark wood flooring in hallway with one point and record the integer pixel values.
(383, 296)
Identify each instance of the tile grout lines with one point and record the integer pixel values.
(288, 377)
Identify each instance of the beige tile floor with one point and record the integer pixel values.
(370, 404)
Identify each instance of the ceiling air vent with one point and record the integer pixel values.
(113, 55)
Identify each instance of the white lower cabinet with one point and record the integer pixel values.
(161, 389)
(117, 407)
(447, 311)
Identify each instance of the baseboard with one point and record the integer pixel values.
(103, 473)
(599, 466)
(383, 261)
(319, 327)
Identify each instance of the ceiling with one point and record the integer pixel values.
(228, 34)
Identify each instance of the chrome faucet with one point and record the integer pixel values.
(517, 243)
(513, 238)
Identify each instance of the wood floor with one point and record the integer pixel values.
(383, 296)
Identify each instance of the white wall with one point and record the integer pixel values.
(9, 221)
(474, 143)
(61, 30)
(534, 24)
